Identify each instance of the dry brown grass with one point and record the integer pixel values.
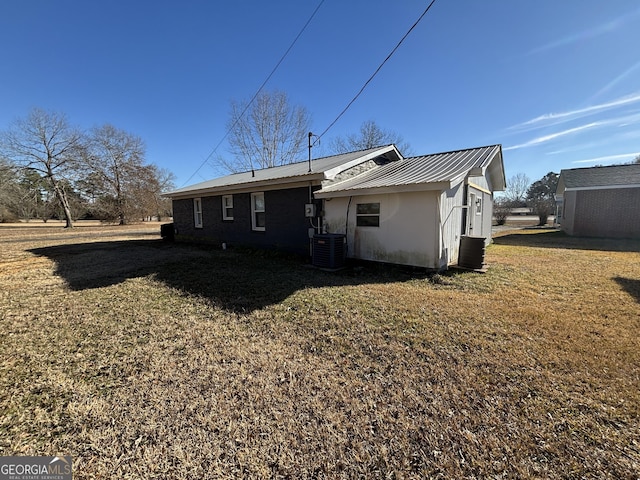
(147, 360)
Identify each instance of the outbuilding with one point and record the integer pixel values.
(600, 201)
(387, 208)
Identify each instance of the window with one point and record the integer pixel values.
(368, 214)
(257, 212)
(197, 212)
(227, 207)
(478, 206)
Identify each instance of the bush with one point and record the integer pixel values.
(542, 219)
(501, 210)
(7, 216)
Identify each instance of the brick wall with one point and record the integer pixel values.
(286, 226)
(607, 213)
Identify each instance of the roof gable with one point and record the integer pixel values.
(590, 177)
(437, 171)
(321, 168)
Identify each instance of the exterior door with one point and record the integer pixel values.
(471, 214)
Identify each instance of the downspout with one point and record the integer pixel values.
(465, 209)
(346, 225)
(441, 240)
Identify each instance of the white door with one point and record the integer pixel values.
(471, 214)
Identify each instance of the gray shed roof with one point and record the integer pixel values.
(321, 168)
(439, 170)
(576, 178)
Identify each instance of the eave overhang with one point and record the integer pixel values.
(312, 179)
(415, 187)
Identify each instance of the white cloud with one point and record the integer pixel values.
(549, 119)
(595, 31)
(623, 76)
(609, 158)
(552, 136)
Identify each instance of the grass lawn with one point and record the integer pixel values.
(143, 359)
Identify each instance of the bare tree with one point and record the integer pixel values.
(33, 191)
(114, 164)
(45, 142)
(162, 181)
(370, 136)
(516, 191)
(266, 133)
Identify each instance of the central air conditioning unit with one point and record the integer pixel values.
(472, 250)
(329, 250)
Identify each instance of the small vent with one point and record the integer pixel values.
(471, 252)
(329, 250)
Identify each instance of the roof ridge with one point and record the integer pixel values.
(313, 159)
(455, 151)
(601, 166)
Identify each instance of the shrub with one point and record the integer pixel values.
(501, 210)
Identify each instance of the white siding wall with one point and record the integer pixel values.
(481, 182)
(408, 234)
(451, 214)
(481, 222)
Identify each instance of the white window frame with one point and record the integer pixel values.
(197, 212)
(227, 203)
(254, 211)
(478, 205)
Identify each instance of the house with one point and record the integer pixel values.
(600, 201)
(410, 211)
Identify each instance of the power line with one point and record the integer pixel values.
(256, 94)
(377, 69)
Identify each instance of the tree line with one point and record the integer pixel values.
(50, 169)
(538, 196)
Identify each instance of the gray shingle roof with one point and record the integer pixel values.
(291, 171)
(601, 176)
(428, 169)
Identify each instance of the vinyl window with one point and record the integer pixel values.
(368, 214)
(197, 212)
(227, 207)
(258, 215)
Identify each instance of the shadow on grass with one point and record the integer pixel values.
(630, 285)
(236, 280)
(547, 238)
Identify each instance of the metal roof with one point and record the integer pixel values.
(441, 170)
(292, 172)
(599, 176)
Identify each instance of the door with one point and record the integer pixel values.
(471, 210)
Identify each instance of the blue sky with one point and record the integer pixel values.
(557, 83)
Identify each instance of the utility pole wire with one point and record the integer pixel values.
(256, 94)
(378, 69)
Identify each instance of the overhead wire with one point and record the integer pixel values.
(230, 129)
(377, 70)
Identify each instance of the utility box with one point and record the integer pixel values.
(329, 250)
